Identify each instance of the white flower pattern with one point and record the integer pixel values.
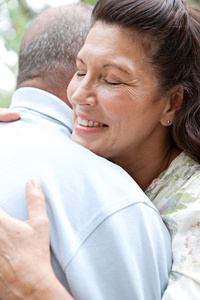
(193, 242)
(176, 194)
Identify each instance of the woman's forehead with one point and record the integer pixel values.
(113, 38)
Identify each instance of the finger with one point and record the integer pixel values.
(35, 200)
(8, 116)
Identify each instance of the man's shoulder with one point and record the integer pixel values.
(33, 102)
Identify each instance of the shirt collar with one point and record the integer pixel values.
(43, 102)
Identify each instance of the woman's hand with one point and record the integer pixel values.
(7, 115)
(25, 268)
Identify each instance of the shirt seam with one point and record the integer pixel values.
(34, 111)
(92, 227)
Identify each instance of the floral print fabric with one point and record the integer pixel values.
(176, 194)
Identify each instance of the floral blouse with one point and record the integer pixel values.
(176, 194)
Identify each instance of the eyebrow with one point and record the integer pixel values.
(117, 67)
(107, 65)
(79, 59)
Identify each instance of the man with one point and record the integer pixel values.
(107, 240)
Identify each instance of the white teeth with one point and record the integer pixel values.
(79, 120)
(89, 123)
(85, 122)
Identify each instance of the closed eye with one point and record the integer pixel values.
(79, 74)
(112, 83)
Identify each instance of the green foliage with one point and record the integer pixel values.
(92, 2)
(5, 98)
(14, 17)
(195, 2)
(19, 17)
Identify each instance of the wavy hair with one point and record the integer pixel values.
(172, 29)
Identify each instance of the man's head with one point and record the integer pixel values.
(49, 47)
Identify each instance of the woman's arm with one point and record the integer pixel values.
(25, 268)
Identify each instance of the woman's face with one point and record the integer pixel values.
(116, 106)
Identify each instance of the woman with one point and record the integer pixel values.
(135, 98)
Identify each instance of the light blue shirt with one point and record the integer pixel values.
(108, 241)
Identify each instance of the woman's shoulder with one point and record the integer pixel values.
(181, 179)
(181, 170)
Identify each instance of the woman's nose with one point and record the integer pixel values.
(84, 93)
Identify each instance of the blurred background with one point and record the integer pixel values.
(15, 16)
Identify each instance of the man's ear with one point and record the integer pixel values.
(175, 100)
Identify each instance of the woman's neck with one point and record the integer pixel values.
(145, 168)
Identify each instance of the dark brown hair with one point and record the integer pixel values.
(174, 28)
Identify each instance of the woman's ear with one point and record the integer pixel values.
(175, 100)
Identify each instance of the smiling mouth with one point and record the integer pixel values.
(89, 123)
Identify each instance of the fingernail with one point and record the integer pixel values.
(35, 182)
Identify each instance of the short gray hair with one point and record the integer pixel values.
(57, 42)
